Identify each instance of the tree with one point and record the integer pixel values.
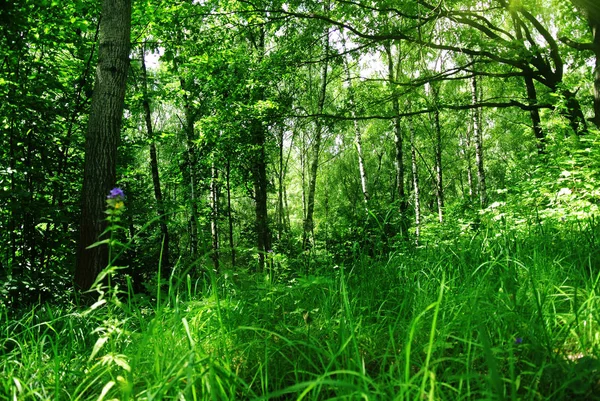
(316, 149)
(103, 136)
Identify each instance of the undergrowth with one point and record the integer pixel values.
(481, 317)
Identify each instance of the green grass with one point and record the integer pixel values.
(437, 323)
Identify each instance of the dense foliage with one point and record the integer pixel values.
(343, 199)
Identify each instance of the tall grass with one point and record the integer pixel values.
(481, 318)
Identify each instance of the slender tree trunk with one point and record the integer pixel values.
(357, 133)
(214, 214)
(229, 213)
(191, 165)
(398, 139)
(103, 136)
(478, 138)
(310, 207)
(467, 154)
(165, 266)
(280, 175)
(415, 180)
(439, 181)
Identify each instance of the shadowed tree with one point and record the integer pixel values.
(103, 136)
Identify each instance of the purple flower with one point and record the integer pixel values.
(116, 193)
(518, 340)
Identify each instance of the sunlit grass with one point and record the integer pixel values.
(478, 319)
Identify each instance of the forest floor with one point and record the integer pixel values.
(486, 316)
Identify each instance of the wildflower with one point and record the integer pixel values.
(116, 193)
(115, 201)
(518, 340)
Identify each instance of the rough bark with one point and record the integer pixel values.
(103, 136)
(160, 209)
(259, 168)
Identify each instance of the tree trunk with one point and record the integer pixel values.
(468, 156)
(229, 213)
(314, 165)
(478, 138)
(280, 176)
(191, 165)
(595, 26)
(531, 94)
(398, 139)
(415, 179)
(214, 214)
(103, 136)
(259, 169)
(165, 266)
(439, 181)
(592, 12)
(357, 133)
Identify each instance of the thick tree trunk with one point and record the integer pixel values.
(259, 169)
(415, 180)
(103, 136)
(478, 138)
(398, 139)
(314, 165)
(165, 266)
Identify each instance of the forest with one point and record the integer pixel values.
(299, 200)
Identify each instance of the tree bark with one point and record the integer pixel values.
(160, 209)
(103, 136)
(259, 169)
